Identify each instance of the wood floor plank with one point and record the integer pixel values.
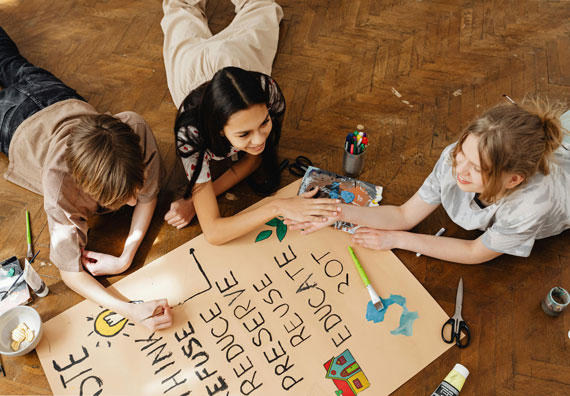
(414, 73)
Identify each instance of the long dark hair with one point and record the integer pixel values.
(209, 107)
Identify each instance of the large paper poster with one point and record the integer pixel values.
(272, 313)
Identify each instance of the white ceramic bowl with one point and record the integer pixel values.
(10, 320)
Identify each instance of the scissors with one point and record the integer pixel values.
(299, 167)
(458, 325)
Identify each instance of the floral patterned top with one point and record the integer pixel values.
(275, 103)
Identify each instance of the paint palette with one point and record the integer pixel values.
(348, 190)
(10, 270)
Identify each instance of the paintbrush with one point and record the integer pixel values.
(160, 312)
(30, 253)
(373, 295)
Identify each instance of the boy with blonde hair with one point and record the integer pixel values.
(83, 163)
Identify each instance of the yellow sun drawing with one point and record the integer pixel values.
(108, 324)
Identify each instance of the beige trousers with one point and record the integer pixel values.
(192, 55)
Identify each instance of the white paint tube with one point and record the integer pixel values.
(34, 281)
(452, 384)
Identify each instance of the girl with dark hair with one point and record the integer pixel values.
(228, 109)
(209, 108)
(508, 175)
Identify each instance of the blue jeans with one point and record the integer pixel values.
(27, 90)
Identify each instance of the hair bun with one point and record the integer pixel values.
(549, 115)
(553, 133)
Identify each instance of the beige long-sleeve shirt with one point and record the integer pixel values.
(37, 163)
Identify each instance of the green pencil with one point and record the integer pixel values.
(376, 301)
(30, 253)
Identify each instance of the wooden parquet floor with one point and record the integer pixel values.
(413, 72)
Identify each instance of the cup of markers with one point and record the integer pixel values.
(354, 152)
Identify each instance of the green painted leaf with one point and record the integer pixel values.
(273, 222)
(263, 235)
(281, 231)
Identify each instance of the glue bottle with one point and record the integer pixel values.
(452, 384)
(34, 281)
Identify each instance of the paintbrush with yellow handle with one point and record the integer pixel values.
(376, 301)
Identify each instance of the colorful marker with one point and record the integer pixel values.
(356, 142)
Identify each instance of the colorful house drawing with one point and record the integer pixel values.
(346, 374)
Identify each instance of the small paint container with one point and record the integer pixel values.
(555, 301)
(352, 164)
(453, 383)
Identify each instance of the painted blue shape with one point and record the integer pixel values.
(347, 196)
(334, 195)
(407, 317)
(406, 322)
(401, 301)
(377, 316)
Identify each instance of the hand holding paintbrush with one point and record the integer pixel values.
(153, 314)
(158, 311)
(376, 301)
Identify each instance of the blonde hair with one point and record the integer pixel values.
(106, 160)
(518, 139)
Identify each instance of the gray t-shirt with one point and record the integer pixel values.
(539, 209)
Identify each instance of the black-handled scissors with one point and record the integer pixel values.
(299, 167)
(458, 325)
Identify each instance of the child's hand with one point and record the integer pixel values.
(154, 315)
(102, 264)
(304, 209)
(375, 239)
(308, 227)
(181, 213)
